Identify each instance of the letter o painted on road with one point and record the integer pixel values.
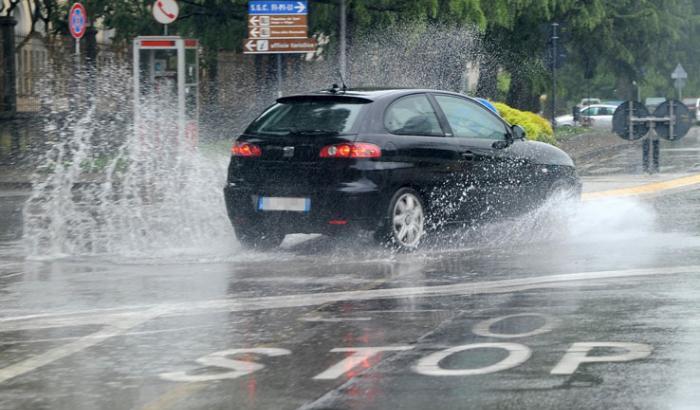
(483, 328)
(430, 365)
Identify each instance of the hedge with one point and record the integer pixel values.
(536, 127)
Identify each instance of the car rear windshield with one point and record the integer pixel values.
(309, 115)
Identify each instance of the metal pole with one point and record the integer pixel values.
(342, 45)
(279, 75)
(554, 73)
(645, 154)
(77, 47)
(165, 29)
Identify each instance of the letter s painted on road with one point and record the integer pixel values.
(220, 359)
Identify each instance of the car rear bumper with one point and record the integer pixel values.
(359, 205)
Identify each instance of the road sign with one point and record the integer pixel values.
(290, 20)
(278, 32)
(77, 21)
(279, 46)
(622, 120)
(165, 11)
(277, 7)
(679, 73)
(682, 120)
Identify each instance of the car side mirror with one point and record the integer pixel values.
(518, 132)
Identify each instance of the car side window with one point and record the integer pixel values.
(412, 115)
(590, 111)
(471, 120)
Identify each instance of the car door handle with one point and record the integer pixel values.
(468, 156)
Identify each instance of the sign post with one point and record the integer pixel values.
(165, 12)
(77, 23)
(679, 76)
(278, 27)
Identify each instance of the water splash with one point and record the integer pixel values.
(105, 189)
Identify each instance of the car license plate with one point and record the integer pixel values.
(284, 204)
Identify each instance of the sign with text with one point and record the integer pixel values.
(279, 20)
(278, 32)
(278, 26)
(279, 46)
(277, 7)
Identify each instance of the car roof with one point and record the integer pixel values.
(601, 105)
(375, 93)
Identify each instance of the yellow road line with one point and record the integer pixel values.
(645, 189)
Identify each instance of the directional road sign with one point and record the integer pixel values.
(278, 26)
(292, 20)
(77, 21)
(280, 46)
(165, 11)
(278, 32)
(277, 7)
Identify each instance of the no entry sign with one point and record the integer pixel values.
(77, 21)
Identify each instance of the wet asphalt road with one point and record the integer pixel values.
(591, 305)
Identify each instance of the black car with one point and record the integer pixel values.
(397, 162)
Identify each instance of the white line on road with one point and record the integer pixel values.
(334, 319)
(120, 323)
(50, 356)
(80, 318)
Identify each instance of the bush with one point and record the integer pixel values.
(536, 127)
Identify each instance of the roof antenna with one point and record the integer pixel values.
(342, 81)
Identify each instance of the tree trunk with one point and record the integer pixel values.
(9, 83)
(91, 47)
(521, 94)
(487, 86)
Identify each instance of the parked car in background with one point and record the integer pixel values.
(693, 105)
(565, 121)
(588, 101)
(595, 116)
(598, 116)
(652, 102)
(616, 103)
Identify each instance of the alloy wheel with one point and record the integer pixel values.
(408, 220)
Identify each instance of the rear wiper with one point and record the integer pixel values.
(295, 131)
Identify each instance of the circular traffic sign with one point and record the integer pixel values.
(684, 120)
(165, 11)
(621, 120)
(77, 21)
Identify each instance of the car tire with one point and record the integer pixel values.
(404, 224)
(258, 239)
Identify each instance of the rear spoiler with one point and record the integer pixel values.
(330, 98)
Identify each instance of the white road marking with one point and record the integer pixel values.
(360, 355)
(119, 322)
(114, 329)
(483, 328)
(220, 360)
(430, 365)
(578, 353)
(71, 338)
(79, 318)
(334, 319)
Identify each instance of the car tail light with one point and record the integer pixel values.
(351, 150)
(245, 149)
